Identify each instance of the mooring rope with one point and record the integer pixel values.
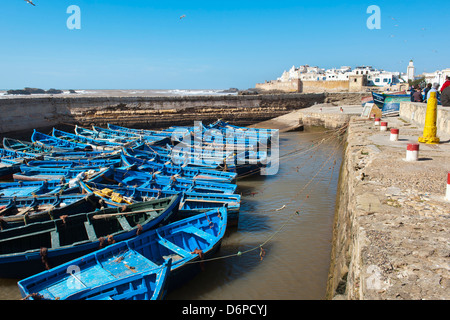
(288, 220)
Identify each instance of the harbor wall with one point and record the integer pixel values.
(25, 113)
(391, 233)
(415, 113)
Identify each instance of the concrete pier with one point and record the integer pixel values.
(392, 231)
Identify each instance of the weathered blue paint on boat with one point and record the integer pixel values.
(96, 144)
(94, 163)
(185, 242)
(72, 236)
(139, 131)
(151, 285)
(153, 140)
(51, 141)
(20, 211)
(186, 172)
(192, 203)
(41, 173)
(30, 188)
(27, 147)
(389, 104)
(104, 136)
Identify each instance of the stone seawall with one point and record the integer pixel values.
(416, 112)
(25, 113)
(391, 237)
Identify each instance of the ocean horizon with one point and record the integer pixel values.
(131, 92)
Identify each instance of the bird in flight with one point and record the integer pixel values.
(30, 2)
(183, 16)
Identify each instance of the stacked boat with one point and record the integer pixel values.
(119, 213)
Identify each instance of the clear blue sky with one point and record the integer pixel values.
(220, 44)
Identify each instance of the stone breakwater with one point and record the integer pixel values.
(25, 113)
(392, 234)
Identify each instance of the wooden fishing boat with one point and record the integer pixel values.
(96, 144)
(72, 164)
(192, 203)
(50, 141)
(131, 177)
(28, 147)
(186, 172)
(10, 162)
(185, 242)
(31, 188)
(389, 104)
(20, 211)
(186, 160)
(75, 235)
(117, 196)
(29, 173)
(150, 139)
(138, 131)
(83, 155)
(8, 170)
(104, 136)
(151, 285)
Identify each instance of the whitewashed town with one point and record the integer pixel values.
(370, 77)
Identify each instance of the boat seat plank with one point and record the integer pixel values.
(202, 234)
(171, 246)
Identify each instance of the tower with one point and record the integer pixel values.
(410, 73)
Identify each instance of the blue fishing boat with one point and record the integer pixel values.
(389, 104)
(20, 211)
(83, 155)
(96, 144)
(104, 136)
(31, 188)
(50, 141)
(192, 203)
(186, 172)
(151, 285)
(72, 236)
(28, 147)
(153, 140)
(139, 131)
(29, 173)
(10, 162)
(175, 183)
(176, 158)
(75, 163)
(185, 243)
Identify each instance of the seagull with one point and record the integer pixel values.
(30, 2)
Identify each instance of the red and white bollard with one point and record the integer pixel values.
(412, 152)
(377, 121)
(394, 134)
(383, 126)
(447, 196)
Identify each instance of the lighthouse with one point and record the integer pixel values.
(410, 73)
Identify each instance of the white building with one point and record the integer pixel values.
(437, 76)
(379, 78)
(411, 71)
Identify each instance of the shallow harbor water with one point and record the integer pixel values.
(296, 251)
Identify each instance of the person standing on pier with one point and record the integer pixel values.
(435, 88)
(445, 97)
(425, 92)
(446, 83)
(418, 95)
